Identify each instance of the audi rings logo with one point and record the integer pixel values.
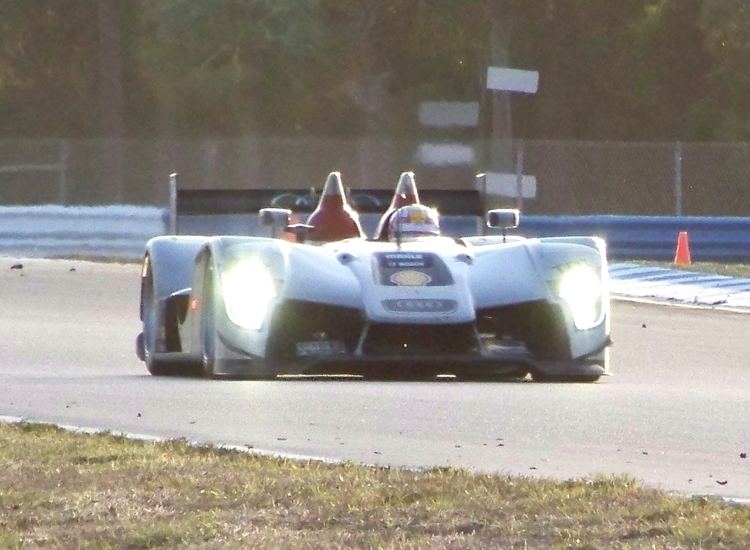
(420, 305)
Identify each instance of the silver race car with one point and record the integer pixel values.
(413, 300)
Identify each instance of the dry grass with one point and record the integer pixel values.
(63, 490)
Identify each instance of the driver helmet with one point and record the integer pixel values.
(412, 221)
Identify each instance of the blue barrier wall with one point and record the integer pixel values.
(122, 231)
(652, 237)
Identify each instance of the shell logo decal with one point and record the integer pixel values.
(417, 217)
(410, 277)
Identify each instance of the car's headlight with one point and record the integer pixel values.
(248, 288)
(580, 287)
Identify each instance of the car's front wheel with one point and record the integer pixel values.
(586, 370)
(565, 378)
(146, 341)
(208, 325)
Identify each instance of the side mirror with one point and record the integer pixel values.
(299, 230)
(275, 217)
(503, 218)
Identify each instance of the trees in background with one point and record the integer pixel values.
(635, 70)
(47, 67)
(723, 111)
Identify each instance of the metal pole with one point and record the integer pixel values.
(481, 186)
(210, 153)
(111, 94)
(678, 179)
(62, 194)
(519, 175)
(173, 204)
(501, 124)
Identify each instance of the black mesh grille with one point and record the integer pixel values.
(393, 339)
(539, 325)
(296, 321)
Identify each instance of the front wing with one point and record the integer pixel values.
(313, 339)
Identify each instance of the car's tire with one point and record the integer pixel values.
(208, 324)
(147, 338)
(489, 375)
(585, 371)
(575, 371)
(565, 378)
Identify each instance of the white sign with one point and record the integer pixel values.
(506, 185)
(512, 80)
(445, 114)
(445, 154)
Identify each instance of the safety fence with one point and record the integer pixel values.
(116, 232)
(120, 232)
(569, 177)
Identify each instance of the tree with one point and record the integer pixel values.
(47, 67)
(671, 70)
(229, 66)
(635, 70)
(724, 111)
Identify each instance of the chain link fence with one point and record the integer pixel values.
(572, 177)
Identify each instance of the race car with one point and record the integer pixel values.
(409, 301)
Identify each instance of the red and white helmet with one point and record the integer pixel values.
(413, 220)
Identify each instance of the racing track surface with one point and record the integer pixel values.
(676, 414)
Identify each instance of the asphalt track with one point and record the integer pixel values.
(676, 413)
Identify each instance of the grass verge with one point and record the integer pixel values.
(65, 490)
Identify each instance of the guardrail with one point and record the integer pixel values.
(121, 232)
(118, 232)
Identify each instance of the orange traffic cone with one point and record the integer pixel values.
(682, 254)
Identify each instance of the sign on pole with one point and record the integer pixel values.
(512, 80)
(446, 114)
(510, 185)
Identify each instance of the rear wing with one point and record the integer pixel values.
(194, 209)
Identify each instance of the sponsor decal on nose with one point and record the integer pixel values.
(410, 277)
